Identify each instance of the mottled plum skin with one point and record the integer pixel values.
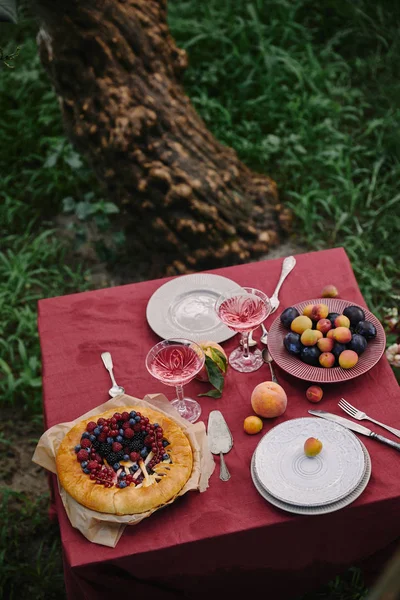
(326, 360)
(310, 355)
(337, 350)
(366, 329)
(292, 343)
(358, 343)
(288, 315)
(348, 359)
(355, 314)
(332, 316)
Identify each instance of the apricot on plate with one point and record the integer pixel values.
(312, 447)
(342, 335)
(310, 337)
(269, 399)
(252, 425)
(326, 359)
(325, 344)
(329, 291)
(342, 321)
(331, 334)
(300, 324)
(314, 393)
(319, 311)
(324, 325)
(308, 310)
(348, 359)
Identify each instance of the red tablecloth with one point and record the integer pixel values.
(228, 538)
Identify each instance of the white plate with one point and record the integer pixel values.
(289, 475)
(317, 510)
(185, 308)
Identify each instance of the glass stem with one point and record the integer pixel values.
(245, 341)
(179, 393)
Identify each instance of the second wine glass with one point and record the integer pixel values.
(244, 310)
(175, 363)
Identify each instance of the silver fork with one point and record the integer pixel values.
(287, 266)
(360, 416)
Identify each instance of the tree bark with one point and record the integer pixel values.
(182, 194)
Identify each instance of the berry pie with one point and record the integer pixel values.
(124, 462)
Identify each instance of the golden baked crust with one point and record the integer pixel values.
(132, 499)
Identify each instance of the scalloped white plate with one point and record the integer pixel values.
(185, 308)
(317, 510)
(289, 475)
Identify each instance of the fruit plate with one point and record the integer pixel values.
(316, 510)
(301, 370)
(285, 472)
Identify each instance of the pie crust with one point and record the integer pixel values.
(132, 499)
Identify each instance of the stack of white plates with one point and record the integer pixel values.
(290, 480)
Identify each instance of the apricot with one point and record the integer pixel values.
(348, 359)
(300, 324)
(308, 310)
(324, 325)
(314, 393)
(269, 399)
(326, 359)
(312, 447)
(325, 344)
(342, 335)
(310, 337)
(252, 424)
(329, 291)
(342, 321)
(331, 334)
(319, 311)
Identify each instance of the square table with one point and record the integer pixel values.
(228, 539)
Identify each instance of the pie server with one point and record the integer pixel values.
(220, 440)
(354, 427)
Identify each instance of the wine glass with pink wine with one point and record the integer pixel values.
(176, 362)
(243, 311)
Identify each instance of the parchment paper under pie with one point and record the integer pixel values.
(106, 529)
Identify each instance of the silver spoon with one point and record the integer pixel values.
(116, 389)
(268, 359)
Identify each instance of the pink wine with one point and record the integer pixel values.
(243, 312)
(175, 364)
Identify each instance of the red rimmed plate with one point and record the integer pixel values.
(297, 368)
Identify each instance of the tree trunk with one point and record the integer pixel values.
(182, 194)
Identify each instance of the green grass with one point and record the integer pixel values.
(307, 93)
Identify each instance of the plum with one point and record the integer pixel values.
(337, 350)
(358, 343)
(292, 343)
(355, 314)
(288, 315)
(310, 355)
(367, 329)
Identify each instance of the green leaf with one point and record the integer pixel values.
(211, 394)
(219, 358)
(216, 379)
